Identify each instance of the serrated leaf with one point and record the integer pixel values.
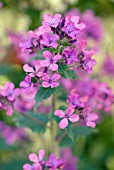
(65, 72)
(68, 140)
(42, 94)
(28, 123)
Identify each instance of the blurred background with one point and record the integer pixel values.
(17, 17)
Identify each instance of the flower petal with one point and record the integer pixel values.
(41, 154)
(59, 113)
(45, 84)
(27, 68)
(33, 157)
(56, 76)
(74, 118)
(63, 123)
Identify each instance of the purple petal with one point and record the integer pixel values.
(46, 84)
(59, 113)
(74, 118)
(33, 157)
(63, 123)
(27, 68)
(55, 77)
(53, 67)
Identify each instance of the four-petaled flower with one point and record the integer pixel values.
(10, 91)
(68, 115)
(53, 163)
(49, 40)
(50, 81)
(26, 84)
(33, 72)
(50, 60)
(37, 158)
(90, 118)
(52, 21)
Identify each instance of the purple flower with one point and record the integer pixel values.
(75, 101)
(43, 29)
(49, 40)
(72, 27)
(88, 64)
(90, 118)
(70, 30)
(50, 60)
(35, 166)
(26, 84)
(10, 92)
(70, 55)
(37, 158)
(52, 21)
(50, 81)
(68, 115)
(53, 163)
(33, 72)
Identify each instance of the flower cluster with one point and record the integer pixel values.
(92, 22)
(77, 110)
(57, 45)
(39, 162)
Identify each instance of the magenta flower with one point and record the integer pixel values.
(75, 101)
(50, 60)
(90, 118)
(35, 166)
(72, 27)
(43, 29)
(50, 81)
(70, 55)
(68, 115)
(9, 91)
(33, 72)
(37, 158)
(70, 30)
(52, 21)
(88, 64)
(53, 163)
(49, 40)
(26, 84)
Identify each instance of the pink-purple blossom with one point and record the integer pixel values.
(52, 21)
(9, 91)
(50, 81)
(26, 84)
(53, 163)
(49, 40)
(50, 60)
(36, 71)
(66, 116)
(90, 117)
(76, 101)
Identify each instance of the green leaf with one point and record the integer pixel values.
(67, 73)
(35, 127)
(66, 142)
(4, 146)
(42, 94)
(13, 165)
(73, 134)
